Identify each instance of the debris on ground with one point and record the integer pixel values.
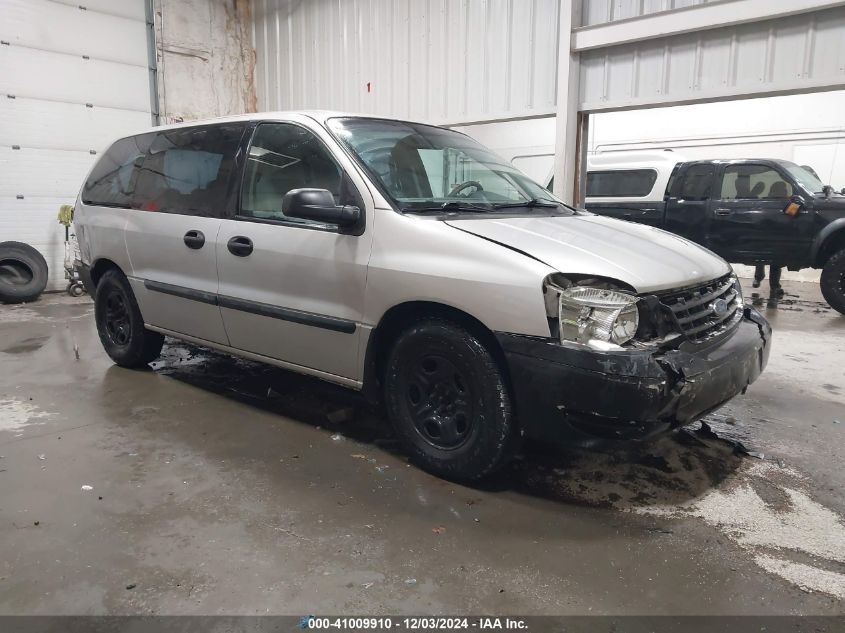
(339, 416)
(358, 456)
(42, 457)
(132, 586)
(86, 487)
(411, 581)
(337, 437)
(438, 530)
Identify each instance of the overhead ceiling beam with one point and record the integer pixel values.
(688, 19)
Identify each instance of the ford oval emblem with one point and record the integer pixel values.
(719, 307)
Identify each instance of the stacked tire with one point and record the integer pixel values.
(23, 273)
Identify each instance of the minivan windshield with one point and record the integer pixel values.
(424, 169)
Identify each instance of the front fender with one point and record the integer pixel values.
(820, 239)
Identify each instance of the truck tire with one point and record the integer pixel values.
(833, 281)
(23, 273)
(120, 324)
(447, 398)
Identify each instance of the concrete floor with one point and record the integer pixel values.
(222, 486)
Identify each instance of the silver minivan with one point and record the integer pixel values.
(410, 263)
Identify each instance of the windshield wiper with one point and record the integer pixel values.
(534, 203)
(451, 207)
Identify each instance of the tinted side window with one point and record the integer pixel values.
(630, 183)
(282, 157)
(695, 184)
(112, 181)
(187, 170)
(751, 182)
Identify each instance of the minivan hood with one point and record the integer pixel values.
(646, 258)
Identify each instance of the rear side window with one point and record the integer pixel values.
(629, 183)
(112, 181)
(187, 170)
(695, 184)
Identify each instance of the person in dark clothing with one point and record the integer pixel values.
(776, 291)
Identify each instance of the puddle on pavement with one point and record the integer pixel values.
(788, 303)
(16, 415)
(27, 345)
(702, 472)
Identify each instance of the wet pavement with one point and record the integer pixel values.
(216, 485)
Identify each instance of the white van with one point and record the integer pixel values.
(409, 262)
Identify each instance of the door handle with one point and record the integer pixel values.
(194, 239)
(723, 212)
(239, 246)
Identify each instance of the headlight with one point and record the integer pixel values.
(598, 317)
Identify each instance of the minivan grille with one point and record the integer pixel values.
(699, 312)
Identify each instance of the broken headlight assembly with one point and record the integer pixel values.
(592, 312)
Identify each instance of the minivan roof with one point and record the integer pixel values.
(320, 116)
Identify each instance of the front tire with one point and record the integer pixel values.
(833, 282)
(120, 325)
(447, 398)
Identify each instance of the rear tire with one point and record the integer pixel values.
(120, 324)
(447, 398)
(23, 272)
(833, 282)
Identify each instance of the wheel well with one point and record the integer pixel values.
(832, 245)
(399, 318)
(100, 267)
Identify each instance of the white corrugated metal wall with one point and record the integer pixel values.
(73, 76)
(432, 60)
(797, 53)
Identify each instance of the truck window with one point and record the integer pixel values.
(695, 184)
(751, 182)
(628, 183)
(187, 170)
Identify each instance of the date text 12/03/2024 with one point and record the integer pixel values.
(412, 623)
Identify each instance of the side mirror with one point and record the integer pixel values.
(318, 205)
(795, 206)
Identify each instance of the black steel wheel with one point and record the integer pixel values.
(116, 320)
(120, 324)
(833, 282)
(439, 401)
(447, 397)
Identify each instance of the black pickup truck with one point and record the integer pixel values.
(748, 211)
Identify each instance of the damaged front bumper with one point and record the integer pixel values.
(566, 393)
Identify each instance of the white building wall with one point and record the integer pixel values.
(72, 78)
(431, 60)
(205, 59)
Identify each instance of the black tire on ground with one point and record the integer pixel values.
(120, 325)
(447, 398)
(833, 281)
(23, 272)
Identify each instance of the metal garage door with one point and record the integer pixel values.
(73, 76)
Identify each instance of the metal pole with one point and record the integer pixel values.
(152, 62)
(568, 99)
